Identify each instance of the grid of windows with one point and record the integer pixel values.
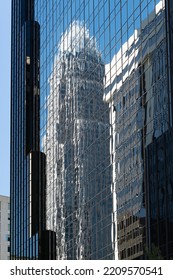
(24, 131)
(76, 144)
(82, 41)
(136, 88)
(104, 100)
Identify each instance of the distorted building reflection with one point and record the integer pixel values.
(136, 88)
(79, 202)
(91, 129)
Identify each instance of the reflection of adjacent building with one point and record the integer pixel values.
(136, 88)
(79, 203)
(4, 227)
(86, 172)
(159, 167)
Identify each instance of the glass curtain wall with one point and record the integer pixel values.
(104, 98)
(24, 55)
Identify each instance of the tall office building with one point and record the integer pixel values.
(4, 227)
(28, 230)
(91, 134)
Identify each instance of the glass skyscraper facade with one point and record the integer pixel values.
(136, 89)
(28, 181)
(91, 134)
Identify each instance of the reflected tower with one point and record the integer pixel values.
(79, 202)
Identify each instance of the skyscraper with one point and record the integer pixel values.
(28, 231)
(91, 129)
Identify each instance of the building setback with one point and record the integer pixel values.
(91, 129)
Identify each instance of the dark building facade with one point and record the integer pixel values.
(159, 158)
(28, 231)
(91, 129)
(160, 193)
